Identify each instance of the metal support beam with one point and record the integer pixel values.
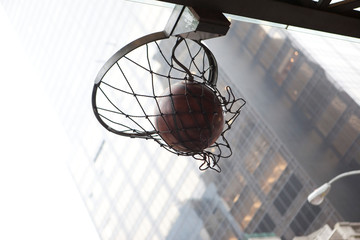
(283, 13)
(345, 6)
(324, 3)
(196, 23)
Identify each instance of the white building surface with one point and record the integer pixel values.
(341, 231)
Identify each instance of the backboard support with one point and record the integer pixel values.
(196, 23)
(340, 17)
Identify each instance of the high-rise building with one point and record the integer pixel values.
(310, 108)
(297, 126)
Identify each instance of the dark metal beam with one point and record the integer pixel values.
(307, 3)
(324, 3)
(345, 6)
(284, 13)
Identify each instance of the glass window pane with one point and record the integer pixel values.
(101, 211)
(285, 66)
(347, 134)
(246, 207)
(271, 49)
(316, 96)
(233, 189)
(304, 219)
(288, 194)
(139, 170)
(295, 183)
(175, 172)
(356, 154)
(267, 225)
(242, 30)
(149, 184)
(256, 40)
(256, 204)
(133, 214)
(189, 186)
(228, 234)
(331, 115)
(159, 202)
(272, 172)
(299, 80)
(110, 227)
(124, 199)
(115, 185)
(256, 153)
(143, 229)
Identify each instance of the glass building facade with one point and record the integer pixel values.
(296, 121)
(310, 111)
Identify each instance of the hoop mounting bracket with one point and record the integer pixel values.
(196, 24)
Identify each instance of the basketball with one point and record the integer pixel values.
(190, 118)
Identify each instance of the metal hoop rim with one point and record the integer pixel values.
(127, 49)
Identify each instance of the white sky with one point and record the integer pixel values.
(38, 198)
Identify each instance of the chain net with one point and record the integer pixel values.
(166, 91)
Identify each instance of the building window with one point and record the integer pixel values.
(124, 200)
(110, 226)
(331, 115)
(242, 30)
(256, 39)
(171, 216)
(256, 153)
(159, 202)
(288, 194)
(233, 189)
(266, 225)
(101, 211)
(299, 80)
(271, 172)
(115, 185)
(304, 218)
(271, 49)
(215, 220)
(148, 187)
(190, 183)
(133, 213)
(143, 229)
(285, 66)
(227, 234)
(316, 96)
(356, 154)
(246, 207)
(347, 134)
(246, 127)
(251, 213)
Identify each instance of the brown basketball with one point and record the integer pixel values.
(191, 117)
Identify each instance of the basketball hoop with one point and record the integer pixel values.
(163, 87)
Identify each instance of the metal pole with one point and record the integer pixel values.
(344, 175)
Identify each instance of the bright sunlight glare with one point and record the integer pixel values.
(38, 197)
